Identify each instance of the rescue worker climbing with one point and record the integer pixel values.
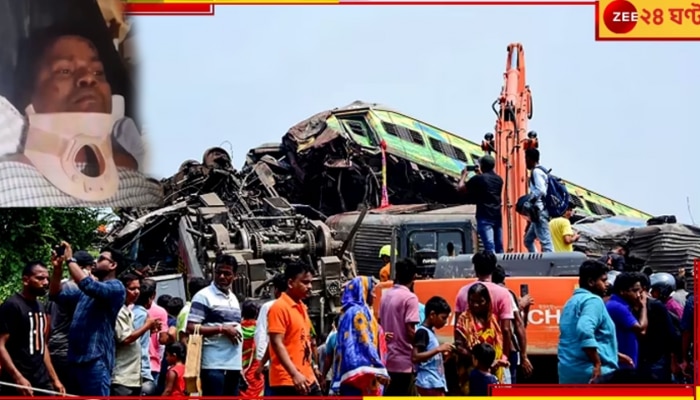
(385, 256)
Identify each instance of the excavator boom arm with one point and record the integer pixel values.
(513, 110)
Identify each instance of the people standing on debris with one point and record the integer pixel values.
(663, 285)
(97, 301)
(24, 333)
(217, 310)
(538, 228)
(360, 370)
(484, 189)
(615, 259)
(587, 344)
(428, 353)
(126, 376)
(563, 236)
(61, 320)
(398, 315)
(147, 295)
(385, 256)
(262, 339)
(289, 328)
(253, 384)
(659, 347)
(193, 287)
(627, 295)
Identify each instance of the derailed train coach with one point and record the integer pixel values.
(214, 209)
(333, 161)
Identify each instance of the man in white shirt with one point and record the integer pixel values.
(538, 228)
(217, 310)
(279, 285)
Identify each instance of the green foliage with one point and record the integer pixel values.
(30, 234)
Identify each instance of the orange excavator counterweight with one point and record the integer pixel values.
(509, 141)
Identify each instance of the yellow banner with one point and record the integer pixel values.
(648, 20)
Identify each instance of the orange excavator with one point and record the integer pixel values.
(513, 109)
(529, 274)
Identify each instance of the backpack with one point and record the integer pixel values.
(526, 207)
(557, 198)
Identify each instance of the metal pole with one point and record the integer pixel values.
(35, 390)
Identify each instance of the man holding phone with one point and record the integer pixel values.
(484, 189)
(97, 301)
(61, 320)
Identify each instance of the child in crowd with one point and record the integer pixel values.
(252, 385)
(481, 377)
(428, 352)
(175, 378)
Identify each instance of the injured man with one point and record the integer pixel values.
(73, 147)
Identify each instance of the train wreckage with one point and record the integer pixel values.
(213, 209)
(279, 204)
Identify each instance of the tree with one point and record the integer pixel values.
(31, 233)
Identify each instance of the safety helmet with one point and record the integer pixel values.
(664, 282)
(385, 251)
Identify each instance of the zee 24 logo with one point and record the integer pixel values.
(621, 16)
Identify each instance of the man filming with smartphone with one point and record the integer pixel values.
(97, 301)
(484, 189)
(61, 320)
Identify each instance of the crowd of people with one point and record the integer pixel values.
(106, 332)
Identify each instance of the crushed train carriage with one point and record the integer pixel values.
(213, 209)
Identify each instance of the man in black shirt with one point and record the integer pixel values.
(484, 189)
(24, 334)
(658, 347)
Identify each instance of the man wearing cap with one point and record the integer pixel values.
(484, 189)
(61, 318)
(385, 256)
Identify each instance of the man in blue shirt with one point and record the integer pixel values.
(97, 301)
(587, 343)
(628, 295)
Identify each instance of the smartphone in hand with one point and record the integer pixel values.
(60, 250)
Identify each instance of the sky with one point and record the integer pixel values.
(614, 117)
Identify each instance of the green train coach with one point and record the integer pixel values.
(442, 151)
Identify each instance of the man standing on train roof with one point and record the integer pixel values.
(539, 227)
(484, 189)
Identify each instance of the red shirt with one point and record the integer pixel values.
(179, 386)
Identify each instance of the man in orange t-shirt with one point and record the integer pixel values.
(289, 328)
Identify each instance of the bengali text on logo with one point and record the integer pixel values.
(648, 19)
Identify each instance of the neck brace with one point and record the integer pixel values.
(55, 139)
